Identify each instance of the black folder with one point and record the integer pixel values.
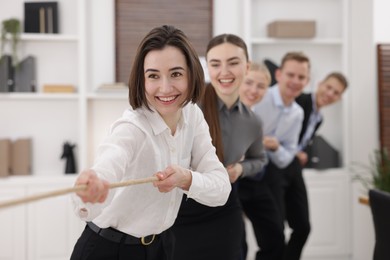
(321, 155)
(6, 74)
(25, 75)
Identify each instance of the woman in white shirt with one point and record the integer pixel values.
(163, 134)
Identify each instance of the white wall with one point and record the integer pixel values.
(362, 113)
(227, 17)
(381, 21)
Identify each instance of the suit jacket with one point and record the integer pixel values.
(306, 102)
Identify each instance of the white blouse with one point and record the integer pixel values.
(139, 145)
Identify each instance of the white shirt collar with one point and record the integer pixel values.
(157, 122)
(276, 96)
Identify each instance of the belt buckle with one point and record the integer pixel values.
(145, 243)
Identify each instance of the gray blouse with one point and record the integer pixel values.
(242, 137)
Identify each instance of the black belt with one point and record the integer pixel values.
(118, 236)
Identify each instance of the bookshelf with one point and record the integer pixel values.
(79, 55)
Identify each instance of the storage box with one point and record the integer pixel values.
(292, 29)
(21, 157)
(5, 157)
(41, 17)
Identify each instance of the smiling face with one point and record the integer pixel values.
(253, 87)
(166, 81)
(329, 91)
(292, 79)
(227, 66)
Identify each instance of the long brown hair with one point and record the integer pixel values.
(210, 99)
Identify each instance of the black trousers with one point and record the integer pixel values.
(281, 195)
(296, 209)
(91, 246)
(289, 190)
(260, 206)
(210, 240)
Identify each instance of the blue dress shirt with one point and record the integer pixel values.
(281, 121)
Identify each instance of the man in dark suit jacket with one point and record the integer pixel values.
(328, 92)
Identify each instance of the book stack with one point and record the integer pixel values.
(57, 88)
(113, 87)
(41, 17)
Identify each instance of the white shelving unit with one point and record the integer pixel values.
(83, 55)
(327, 50)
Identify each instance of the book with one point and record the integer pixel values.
(5, 157)
(58, 88)
(41, 17)
(21, 154)
(112, 87)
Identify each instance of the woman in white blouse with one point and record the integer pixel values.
(163, 134)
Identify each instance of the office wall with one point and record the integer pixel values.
(362, 113)
(381, 21)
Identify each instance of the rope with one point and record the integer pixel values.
(77, 188)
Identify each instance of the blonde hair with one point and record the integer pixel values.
(297, 56)
(261, 68)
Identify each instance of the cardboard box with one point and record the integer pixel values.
(292, 29)
(21, 157)
(5, 157)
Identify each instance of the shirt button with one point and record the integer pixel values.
(173, 149)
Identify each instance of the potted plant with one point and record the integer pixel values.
(379, 171)
(378, 185)
(11, 27)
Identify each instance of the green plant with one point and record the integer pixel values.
(12, 27)
(378, 169)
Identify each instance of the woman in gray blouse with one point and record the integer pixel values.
(204, 232)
